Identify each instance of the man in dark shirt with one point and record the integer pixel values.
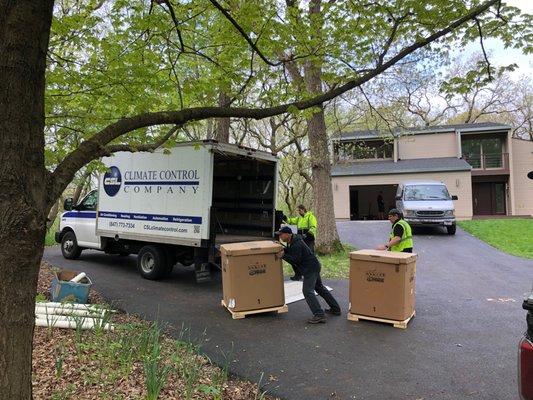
(381, 206)
(298, 253)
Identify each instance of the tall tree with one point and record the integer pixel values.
(29, 189)
(307, 75)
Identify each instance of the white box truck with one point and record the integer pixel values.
(175, 206)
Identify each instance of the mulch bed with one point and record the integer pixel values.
(66, 366)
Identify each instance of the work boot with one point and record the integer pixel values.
(296, 278)
(332, 312)
(317, 319)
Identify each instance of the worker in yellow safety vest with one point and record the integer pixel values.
(306, 225)
(401, 237)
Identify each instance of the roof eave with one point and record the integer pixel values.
(488, 128)
(339, 175)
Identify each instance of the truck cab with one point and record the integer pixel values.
(426, 203)
(80, 220)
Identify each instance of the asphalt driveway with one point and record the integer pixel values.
(461, 345)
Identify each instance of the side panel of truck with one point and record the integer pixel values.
(162, 197)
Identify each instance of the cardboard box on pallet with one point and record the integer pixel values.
(382, 284)
(252, 277)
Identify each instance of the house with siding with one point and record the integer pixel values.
(481, 163)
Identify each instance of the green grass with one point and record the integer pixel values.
(334, 266)
(50, 239)
(513, 236)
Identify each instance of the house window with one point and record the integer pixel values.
(377, 149)
(472, 152)
(483, 153)
(492, 152)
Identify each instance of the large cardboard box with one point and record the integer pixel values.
(382, 284)
(252, 277)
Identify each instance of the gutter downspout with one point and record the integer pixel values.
(510, 205)
(396, 150)
(459, 154)
(459, 147)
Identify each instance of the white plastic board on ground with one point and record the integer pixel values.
(293, 291)
(164, 194)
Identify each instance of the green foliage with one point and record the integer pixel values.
(112, 59)
(59, 362)
(156, 373)
(337, 264)
(108, 358)
(50, 234)
(513, 236)
(40, 298)
(474, 79)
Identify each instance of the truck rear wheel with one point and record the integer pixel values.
(451, 229)
(69, 246)
(152, 262)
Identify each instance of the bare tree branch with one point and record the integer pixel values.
(244, 34)
(483, 48)
(392, 36)
(174, 19)
(375, 109)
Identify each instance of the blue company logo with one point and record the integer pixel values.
(112, 181)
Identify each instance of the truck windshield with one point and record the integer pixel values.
(426, 192)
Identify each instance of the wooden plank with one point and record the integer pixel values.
(396, 324)
(243, 314)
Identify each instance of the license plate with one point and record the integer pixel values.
(448, 223)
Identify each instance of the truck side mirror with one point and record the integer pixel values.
(398, 197)
(68, 204)
(455, 197)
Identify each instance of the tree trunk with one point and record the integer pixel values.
(223, 124)
(327, 239)
(81, 185)
(24, 35)
(52, 215)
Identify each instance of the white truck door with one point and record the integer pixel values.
(84, 221)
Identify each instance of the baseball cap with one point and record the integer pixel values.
(394, 211)
(285, 229)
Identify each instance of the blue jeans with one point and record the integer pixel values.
(313, 282)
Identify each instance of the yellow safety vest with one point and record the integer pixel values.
(407, 237)
(307, 221)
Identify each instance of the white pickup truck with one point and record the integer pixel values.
(175, 206)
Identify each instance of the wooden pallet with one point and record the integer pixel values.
(396, 324)
(243, 314)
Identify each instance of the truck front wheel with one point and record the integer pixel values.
(69, 246)
(152, 262)
(451, 229)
